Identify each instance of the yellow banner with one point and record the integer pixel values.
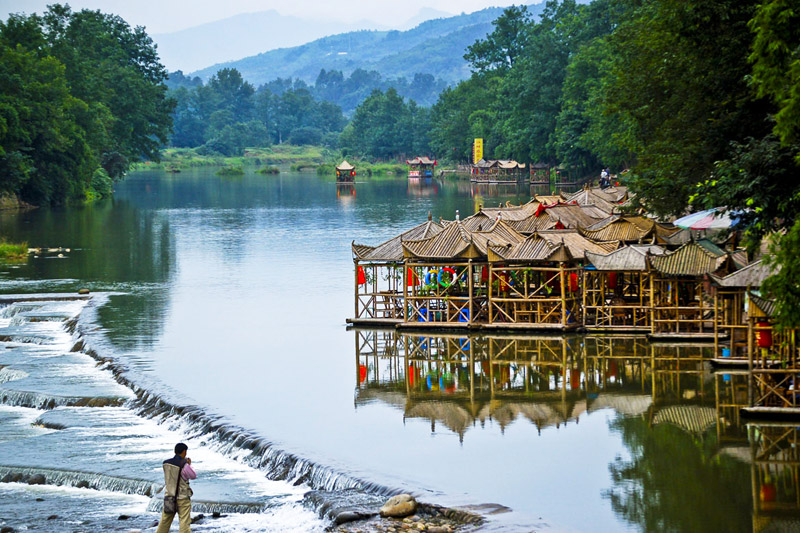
(477, 151)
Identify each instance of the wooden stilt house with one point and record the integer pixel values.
(683, 305)
(345, 172)
(450, 284)
(731, 306)
(536, 283)
(421, 167)
(380, 279)
(617, 289)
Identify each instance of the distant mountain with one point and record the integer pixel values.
(434, 47)
(423, 15)
(243, 35)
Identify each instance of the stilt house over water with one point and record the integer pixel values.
(345, 172)
(421, 167)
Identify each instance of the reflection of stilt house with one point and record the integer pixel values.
(617, 289)
(682, 304)
(775, 470)
(379, 276)
(345, 172)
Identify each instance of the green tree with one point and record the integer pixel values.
(501, 48)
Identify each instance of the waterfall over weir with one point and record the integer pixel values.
(50, 367)
(50, 476)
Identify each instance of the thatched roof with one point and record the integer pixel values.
(344, 165)
(694, 419)
(456, 241)
(510, 213)
(691, 259)
(548, 200)
(753, 275)
(510, 164)
(421, 161)
(627, 404)
(568, 216)
(576, 243)
(596, 197)
(628, 229)
(629, 258)
(392, 250)
(534, 249)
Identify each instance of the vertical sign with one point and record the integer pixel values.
(477, 151)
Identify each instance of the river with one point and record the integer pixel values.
(231, 294)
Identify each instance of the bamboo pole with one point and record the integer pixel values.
(470, 277)
(355, 281)
(405, 289)
(750, 361)
(563, 296)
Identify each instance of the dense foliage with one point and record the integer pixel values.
(81, 97)
(228, 114)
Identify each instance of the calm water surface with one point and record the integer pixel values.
(232, 294)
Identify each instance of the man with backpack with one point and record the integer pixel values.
(177, 493)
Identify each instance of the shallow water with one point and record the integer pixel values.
(232, 294)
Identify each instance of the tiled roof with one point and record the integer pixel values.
(766, 306)
(392, 249)
(691, 259)
(753, 275)
(634, 257)
(420, 161)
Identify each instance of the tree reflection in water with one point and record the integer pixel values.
(658, 488)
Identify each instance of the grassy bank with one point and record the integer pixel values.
(298, 157)
(13, 252)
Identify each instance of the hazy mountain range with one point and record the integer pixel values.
(433, 47)
(252, 33)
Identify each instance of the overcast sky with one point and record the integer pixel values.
(163, 16)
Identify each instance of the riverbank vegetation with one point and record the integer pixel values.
(13, 251)
(79, 92)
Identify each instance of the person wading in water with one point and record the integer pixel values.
(177, 473)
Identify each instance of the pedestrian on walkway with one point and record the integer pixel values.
(177, 493)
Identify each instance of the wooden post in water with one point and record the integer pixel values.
(471, 294)
(405, 290)
(356, 287)
(750, 361)
(563, 295)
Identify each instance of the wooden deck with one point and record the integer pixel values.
(683, 337)
(771, 413)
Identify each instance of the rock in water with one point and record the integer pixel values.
(83, 291)
(399, 506)
(37, 479)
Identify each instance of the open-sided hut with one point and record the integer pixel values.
(774, 360)
(540, 173)
(345, 172)
(730, 307)
(535, 283)
(421, 167)
(446, 283)
(617, 289)
(379, 276)
(682, 304)
(497, 171)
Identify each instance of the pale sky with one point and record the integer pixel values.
(164, 16)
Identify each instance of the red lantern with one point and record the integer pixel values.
(573, 282)
(613, 369)
(763, 335)
(484, 274)
(411, 278)
(362, 278)
(575, 379)
(612, 280)
(353, 173)
(362, 373)
(411, 375)
(768, 492)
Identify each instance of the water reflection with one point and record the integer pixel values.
(112, 246)
(687, 468)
